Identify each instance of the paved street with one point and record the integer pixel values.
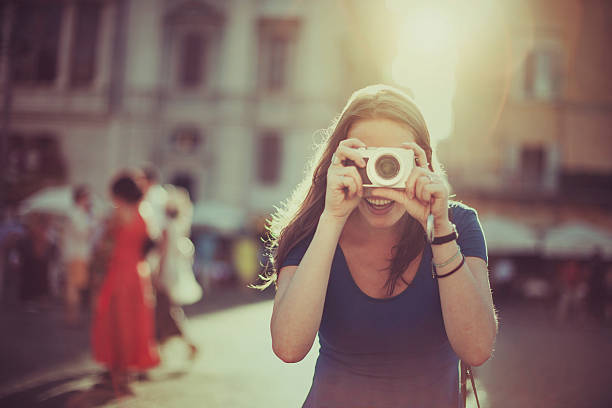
(536, 364)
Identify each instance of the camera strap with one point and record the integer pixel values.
(466, 372)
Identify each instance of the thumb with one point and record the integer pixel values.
(389, 193)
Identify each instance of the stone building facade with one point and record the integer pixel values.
(224, 97)
(533, 114)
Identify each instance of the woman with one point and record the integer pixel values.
(123, 330)
(354, 265)
(175, 283)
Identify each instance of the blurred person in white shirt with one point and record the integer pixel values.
(77, 250)
(175, 282)
(153, 205)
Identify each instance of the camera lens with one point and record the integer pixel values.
(387, 167)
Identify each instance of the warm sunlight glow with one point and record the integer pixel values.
(426, 59)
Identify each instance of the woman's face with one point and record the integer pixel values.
(380, 132)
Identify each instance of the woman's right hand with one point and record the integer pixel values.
(344, 184)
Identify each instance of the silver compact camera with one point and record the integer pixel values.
(386, 166)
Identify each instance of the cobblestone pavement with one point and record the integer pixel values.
(536, 363)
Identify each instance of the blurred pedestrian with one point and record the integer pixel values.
(153, 205)
(123, 331)
(77, 247)
(245, 259)
(395, 309)
(11, 230)
(597, 286)
(175, 282)
(103, 244)
(571, 281)
(36, 252)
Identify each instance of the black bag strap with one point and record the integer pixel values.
(466, 372)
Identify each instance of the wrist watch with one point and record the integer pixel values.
(445, 238)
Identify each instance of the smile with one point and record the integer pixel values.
(378, 201)
(379, 205)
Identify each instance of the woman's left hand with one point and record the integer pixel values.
(425, 192)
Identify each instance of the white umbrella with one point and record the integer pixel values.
(506, 236)
(56, 201)
(221, 216)
(577, 239)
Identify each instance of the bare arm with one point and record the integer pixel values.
(298, 305)
(465, 296)
(467, 306)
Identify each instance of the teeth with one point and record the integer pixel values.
(378, 201)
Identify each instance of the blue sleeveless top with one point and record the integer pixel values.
(394, 352)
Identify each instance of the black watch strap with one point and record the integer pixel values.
(446, 238)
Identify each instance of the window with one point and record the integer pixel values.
(186, 140)
(85, 41)
(269, 155)
(276, 42)
(532, 166)
(186, 181)
(34, 161)
(543, 75)
(276, 75)
(35, 41)
(15, 166)
(192, 60)
(193, 32)
(35, 156)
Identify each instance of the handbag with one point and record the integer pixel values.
(466, 372)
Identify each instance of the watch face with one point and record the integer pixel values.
(430, 228)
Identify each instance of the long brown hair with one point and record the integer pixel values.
(298, 216)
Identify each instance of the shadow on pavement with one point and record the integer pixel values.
(221, 298)
(72, 391)
(86, 390)
(56, 389)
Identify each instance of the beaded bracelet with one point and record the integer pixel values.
(436, 276)
(449, 260)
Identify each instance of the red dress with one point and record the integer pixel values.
(123, 331)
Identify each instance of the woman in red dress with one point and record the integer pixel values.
(123, 332)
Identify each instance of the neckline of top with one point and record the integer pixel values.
(418, 276)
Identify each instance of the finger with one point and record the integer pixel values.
(419, 153)
(351, 171)
(388, 193)
(426, 192)
(412, 179)
(352, 142)
(435, 190)
(335, 162)
(351, 186)
(350, 153)
(421, 182)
